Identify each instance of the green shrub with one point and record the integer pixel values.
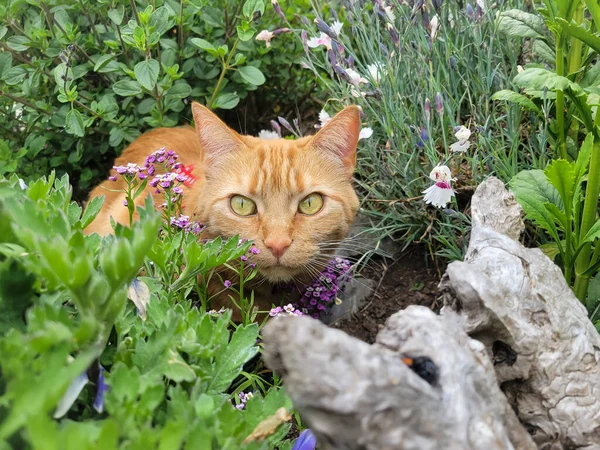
(80, 80)
(173, 369)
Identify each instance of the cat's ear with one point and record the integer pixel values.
(339, 136)
(215, 137)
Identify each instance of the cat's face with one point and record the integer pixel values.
(294, 199)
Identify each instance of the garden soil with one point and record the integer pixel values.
(400, 282)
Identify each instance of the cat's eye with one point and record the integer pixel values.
(311, 204)
(242, 206)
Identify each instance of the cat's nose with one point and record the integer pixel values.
(278, 245)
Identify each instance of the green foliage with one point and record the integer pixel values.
(80, 80)
(173, 373)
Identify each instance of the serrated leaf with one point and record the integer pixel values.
(146, 72)
(127, 88)
(252, 75)
(74, 123)
(91, 211)
(519, 23)
(581, 33)
(515, 97)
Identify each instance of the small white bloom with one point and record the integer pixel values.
(376, 71)
(289, 308)
(441, 173)
(389, 13)
(22, 184)
(435, 26)
(71, 395)
(438, 195)
(265, 35)
(337, 27)
(463, 133)
(450, 19)
(324, 117)
(268, 134)
(519, 69)
(355, 77)
(323, 39)
(365, 133)
(460, 146)
(355, 93)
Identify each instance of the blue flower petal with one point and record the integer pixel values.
(71, 395)
(101, 388)
(306, 441)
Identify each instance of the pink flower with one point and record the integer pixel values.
(323, 39)
(266, 36)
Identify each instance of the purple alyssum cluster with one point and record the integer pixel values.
(320, 296)
(244, 397)
(287, 310)
(183, 223)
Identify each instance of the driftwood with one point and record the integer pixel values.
(529, 338)
(359, 396)
(516, 302)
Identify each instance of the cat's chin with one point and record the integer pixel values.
(279, 273)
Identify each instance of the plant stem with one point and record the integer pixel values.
(560, 102)
(590, 208)
(223, 72)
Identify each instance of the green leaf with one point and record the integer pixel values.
(74, 123)
(537, 79)
(515, 97)
(206, 46)
(146, 73)
(561, 175)
(252, 75)
(226, 101)
(594, 10)
(91, 211)
(583, 157)
(245, 35)
(519, 23)
(14, 75)
(103, 61)
(550, 249)
(127, 88)
(581, 33)
(177, 369)
(116, 15)
(252, 6)
(544, 51)
(3, 30)
(179, 90)
(533, 190)
(18, 43)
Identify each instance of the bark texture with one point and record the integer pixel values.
(516, 302)
(359, 396)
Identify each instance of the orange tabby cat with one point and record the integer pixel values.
(293, 198)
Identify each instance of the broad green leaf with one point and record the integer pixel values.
(102, 61)
(550, 249)
(538, 79)
(517, 23)
(74, 123)
(179, 90)
(252, 75)
(160, 20)
(515, 97)
(245, 35)
(146, 72)
(544, 51)
(561, 175)
(127, 88)
(116, 15)
(593, 294)
(533, 190)
(226, 101)
(14, 75)
(3, 30)
(251, 6)
(594, 10)
(206, 46)
(581, 33)
(177, 369)
(18, 43)
(583, 157)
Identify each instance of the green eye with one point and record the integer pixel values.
(242, 206)
(311, 204)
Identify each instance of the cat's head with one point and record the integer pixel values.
(293, 198)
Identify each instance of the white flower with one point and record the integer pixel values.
(324, 117)
(70, 395)
(265, 35)
(460, 146)
(22, 184)
(323, 39)
(376, 71)
(435, 26)
(268, 134)
(355, 77)
(463, 133)
(337, 27)
(440, 194)
(389, 13)
(365, 133)
(289, 308)
(519, 69)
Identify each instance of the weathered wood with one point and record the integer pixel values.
(357, 396)
(516, 302)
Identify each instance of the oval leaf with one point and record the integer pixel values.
(74, 123)
(537, 79)
(127, 88)
(520, 24)
(515, 97)
(252, 75)
(146, 72)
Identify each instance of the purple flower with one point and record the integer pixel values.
(142, 176)
(113, 178)
(254, 251)
(227, 284)
(470, 12)
(393, 34)
(439, 104)
(244, 258)
(304, 36)
(277, 9)
(427, 109)
(306, 441)
(151, 170)
(101, 388)
(178, 190)
(125, 203)
(120, 169)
